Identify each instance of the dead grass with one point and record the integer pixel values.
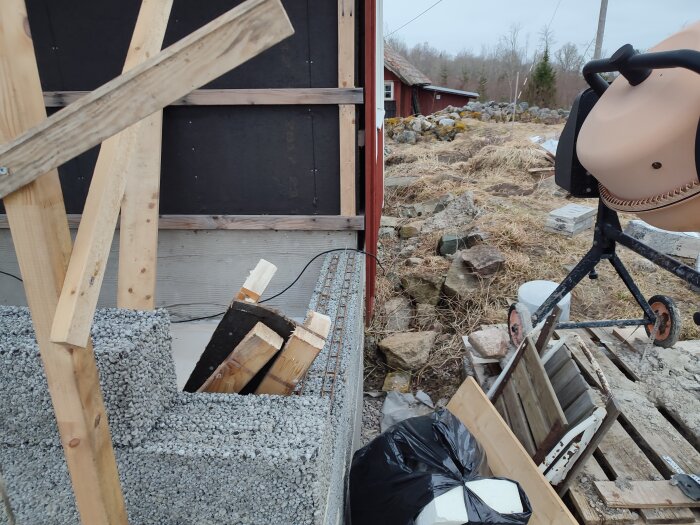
(487, 155)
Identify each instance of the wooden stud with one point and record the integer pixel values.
(297, 355)
(643, 495)
(138, 233)
(121, 157)
(239, 97)
(548, 330)
(506, 456)
(235, 37)
(246, 360)
(346, 79)
(256, 283)
(245, 222)
(37, 220)
(318, 324)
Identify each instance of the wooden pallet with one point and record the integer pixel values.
(659, 417)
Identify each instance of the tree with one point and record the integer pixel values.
(482, 86)
(569, 59)
(444, 73)
(542, 86)
(464, 77)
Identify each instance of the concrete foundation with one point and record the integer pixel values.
(204, 458)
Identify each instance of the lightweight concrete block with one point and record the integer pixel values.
(137, 375)
(570, 219)
(680, 244)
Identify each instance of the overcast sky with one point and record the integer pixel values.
(455, 25)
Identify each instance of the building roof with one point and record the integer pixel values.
(402, 68)
(451, 91)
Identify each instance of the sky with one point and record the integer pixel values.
(457, 25)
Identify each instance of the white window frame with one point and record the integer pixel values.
(390, 84)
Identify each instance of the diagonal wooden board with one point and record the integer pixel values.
(506, 456)
(39, 227)
(119, 159)
(206, 54)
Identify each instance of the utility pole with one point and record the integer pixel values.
(601, 29)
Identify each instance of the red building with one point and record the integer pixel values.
(407, 91)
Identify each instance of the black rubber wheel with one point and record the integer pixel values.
(670, 325)
(519, 323)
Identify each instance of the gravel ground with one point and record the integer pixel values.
(371, 413)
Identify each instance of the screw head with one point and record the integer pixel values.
(3, 170)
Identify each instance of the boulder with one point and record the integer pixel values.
(451, 243)
(491, 342)
(399, 182)
(399, 381)
(387, 232)
(408, 350)
(484, 260)
(406, 137)
(414, 261)
(459, 211)
(398, 314)
(446, 122)
(460, 283)
(476, 237)
(389, 222)
(412, 229)
(423, 288)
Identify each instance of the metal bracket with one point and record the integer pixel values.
(688, 483)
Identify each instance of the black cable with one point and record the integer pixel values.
(293, 282)
(12, 275)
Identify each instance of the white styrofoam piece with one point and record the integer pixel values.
(501, 495)
(447, 509)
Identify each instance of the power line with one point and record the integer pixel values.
(554, 14)
(413, 19)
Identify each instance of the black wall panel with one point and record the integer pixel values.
(216, 160)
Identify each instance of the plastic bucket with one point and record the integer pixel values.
(533, 293)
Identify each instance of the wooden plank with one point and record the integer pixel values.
(121, 157)
(257, 281)
(236, 36)
(37, 218)
(245, 222)
(588, 504)
(548, 330)
(293, 362)
(506, 456)
(542, 387)
(138, 236)
(581, 408)
(627, 462)
(572, 391)
(239, 97)
(347, 127)
(246, 360)
(516, 418)
(643, 495)
(559, 359)
(535, 415)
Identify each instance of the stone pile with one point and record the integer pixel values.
(447, 123)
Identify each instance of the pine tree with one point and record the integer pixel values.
(444, 73)
(482, 86)
(542, 86)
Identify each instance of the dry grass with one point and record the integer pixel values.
(488, 155)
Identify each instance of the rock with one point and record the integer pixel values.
(399, 182)
(451, 243)
(454, 116)
(490, 342)
(412, 229)
(459, 211)
(398, 314)
(397, 382)
(460, 283)
(423, 287)
(484, 260)
(475, 238)
(426, 125)
(389, 222)
(414, 261)
(407, 251)
(408, 350)
(417, 125)
(406, 137)
(426, 315)
(446, 122)
(387, 232)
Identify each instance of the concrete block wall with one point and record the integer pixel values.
(205, 458)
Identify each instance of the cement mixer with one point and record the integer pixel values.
(633, 144)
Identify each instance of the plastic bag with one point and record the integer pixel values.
(415, 461)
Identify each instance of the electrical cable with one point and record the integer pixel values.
(413, 19)
(212, 316)
(12, 275)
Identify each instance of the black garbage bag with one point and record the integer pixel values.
(397, 474)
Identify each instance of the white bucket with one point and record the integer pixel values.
(533, 293)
